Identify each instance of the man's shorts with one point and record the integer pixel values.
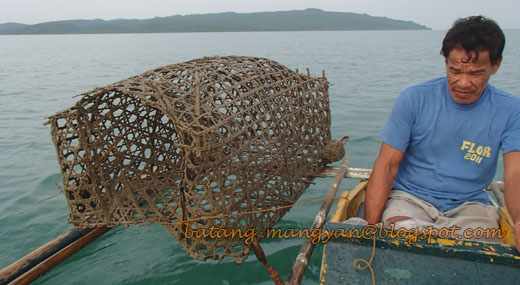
(470, 215)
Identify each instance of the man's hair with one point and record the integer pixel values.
(475, 34)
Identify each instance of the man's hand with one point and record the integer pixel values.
(512, 190)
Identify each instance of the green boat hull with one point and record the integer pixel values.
(398, 262)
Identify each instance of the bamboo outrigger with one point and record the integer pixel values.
(43, 259)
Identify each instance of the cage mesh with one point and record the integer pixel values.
(211, 136)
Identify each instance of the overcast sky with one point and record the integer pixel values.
(436, 14)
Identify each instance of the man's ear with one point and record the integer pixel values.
(496, 66)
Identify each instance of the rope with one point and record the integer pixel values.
(60, 191)
(368, 264)
(249, 212)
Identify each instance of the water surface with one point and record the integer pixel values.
(39, 75)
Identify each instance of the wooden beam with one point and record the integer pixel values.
(302, 260)
(49, 263)
(38, 255)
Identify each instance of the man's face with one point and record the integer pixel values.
(467, 78)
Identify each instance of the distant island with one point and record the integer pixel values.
(298, 20)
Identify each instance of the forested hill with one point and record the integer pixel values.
(301, 20)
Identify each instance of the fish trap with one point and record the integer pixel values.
(212, 143)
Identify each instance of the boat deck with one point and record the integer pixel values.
(398, 262)
(414, 258)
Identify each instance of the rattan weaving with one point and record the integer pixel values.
(211, 136)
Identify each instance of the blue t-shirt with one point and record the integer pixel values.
(451, 149)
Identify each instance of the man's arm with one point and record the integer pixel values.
(512, 189)
(380, 182)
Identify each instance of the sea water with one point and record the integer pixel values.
(39, 75)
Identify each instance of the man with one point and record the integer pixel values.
(442, 140)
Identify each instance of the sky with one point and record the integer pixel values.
(436, 14)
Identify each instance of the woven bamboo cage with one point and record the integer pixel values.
(205, 138)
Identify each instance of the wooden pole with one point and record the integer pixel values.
(27, 274)
(302, 260)
(260, 255)
(38, 255)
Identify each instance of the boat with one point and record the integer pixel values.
(353, 258)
